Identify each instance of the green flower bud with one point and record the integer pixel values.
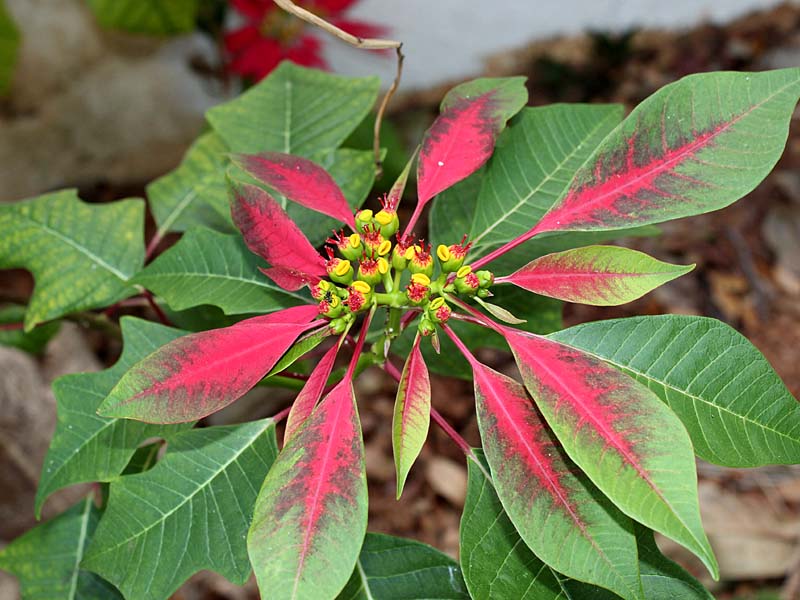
(485, 278)
(426, 327)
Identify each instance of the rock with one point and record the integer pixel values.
(27, 420)
(88, 106)
(448, 479)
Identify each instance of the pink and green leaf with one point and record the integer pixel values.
(412, 414)
(198, 374)
(308, 397)
(694, 146)
(311, 514)
(596, 275)
(270, 233)
(620, 434)
(462, 138)
(300, 180)
(585, 536)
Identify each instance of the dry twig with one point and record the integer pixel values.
(358, 42)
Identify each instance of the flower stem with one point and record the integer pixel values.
(362, 337)
(159, 312)
(505, 248)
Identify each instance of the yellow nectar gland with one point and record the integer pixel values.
(412, 251)
(464, 271)
(421, 279)
(436, 303)
(383, 217)
(364, 216)
(342, 267)
(383, 266)
(443, 252)
(354, 240)
(384, 248)
(361, 287)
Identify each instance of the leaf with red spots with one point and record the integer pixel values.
(559, 514)
(300, 180)
(271, 234)
(462, 138)
(694, 146)
(412, 414)
(596, 275)
(198, 374)
(308, 397)
(630, 444)
(311, 514)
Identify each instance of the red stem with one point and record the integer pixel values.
(477, 315)
(452, 433)
(413, 220)
(11, 326)
(395, 374)
(152, 245)
(154, 305)
(504, 248)
(282, 415)
(362, 336)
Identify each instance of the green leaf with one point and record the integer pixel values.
(155, 17)
(694, 146)
(497, 564)
(33, 341)
(304, 345)
(207, 267)
(9, 45)
(663, 579)
(86, 446)
(737, 410)
(195, 192)
(81, 255)
(537, 157)
(393, 568)
(295, 110)
(596, 275)
(189, 512)
(46, 559)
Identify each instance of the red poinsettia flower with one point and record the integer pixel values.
(271, 35)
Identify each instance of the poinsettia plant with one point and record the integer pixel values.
(584, 456)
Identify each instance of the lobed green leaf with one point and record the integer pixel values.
(81, 255)
(188, 513)
(85, 446)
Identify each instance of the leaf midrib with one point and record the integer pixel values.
(688, 150)
(164, 516)
(85, 251)
(538, 188)
(693, 397)
(197, 275)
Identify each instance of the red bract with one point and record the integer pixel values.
(197, 375)
(270, 35)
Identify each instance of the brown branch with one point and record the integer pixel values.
(365, 44)
(353, 40)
